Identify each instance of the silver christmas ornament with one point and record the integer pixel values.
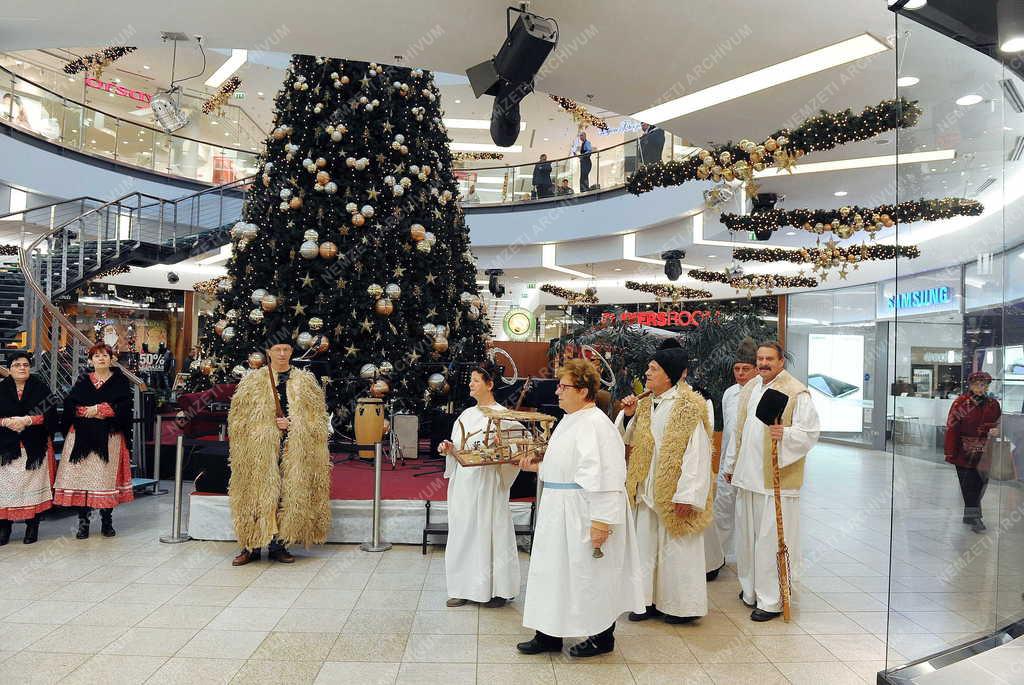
(257, 295)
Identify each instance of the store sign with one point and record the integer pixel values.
(919, 298)
(117, 89)
(679, 319)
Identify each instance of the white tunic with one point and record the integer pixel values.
(569, 593)
(480, 560)
(674, 567)
(747, 467)
(725, 494)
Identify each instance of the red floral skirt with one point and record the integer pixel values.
(26, 492)
(93, 482)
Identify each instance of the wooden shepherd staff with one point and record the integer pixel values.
(782, 556)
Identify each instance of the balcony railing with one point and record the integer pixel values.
(44, 113)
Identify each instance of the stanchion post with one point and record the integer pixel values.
(157, 440)
(176, 535)
(376, 544)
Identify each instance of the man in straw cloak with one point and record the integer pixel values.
(748, 467)
(280, 463)
(669, 484)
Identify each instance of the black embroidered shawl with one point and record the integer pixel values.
(93, 435)
(35, 400)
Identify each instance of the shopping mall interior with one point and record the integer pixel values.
(420, 201)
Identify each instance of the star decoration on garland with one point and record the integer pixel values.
(589, 296)
(667, 291)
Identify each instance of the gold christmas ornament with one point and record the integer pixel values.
(380, 388)
(358, 220)
(256, 360)
(295, 202)
(328, 250)
(384, 306)
(219, 327)
(374, 290)
(316, 323)
(269, 302)
(417, 232)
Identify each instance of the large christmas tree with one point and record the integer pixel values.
(352, 243)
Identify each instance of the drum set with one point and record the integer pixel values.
(371, 427)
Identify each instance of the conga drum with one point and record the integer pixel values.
(369, 423)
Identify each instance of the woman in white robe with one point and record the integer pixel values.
(570, 591)
(481, 561)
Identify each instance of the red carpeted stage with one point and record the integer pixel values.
(403, 503)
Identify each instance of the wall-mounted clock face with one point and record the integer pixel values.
(519, 323)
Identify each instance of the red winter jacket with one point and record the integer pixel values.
(968, 419)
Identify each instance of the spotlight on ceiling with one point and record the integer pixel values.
(493, 286)
(1010, 25)
(673, 263)
(508, 76)
(166, 110)
(764, 202)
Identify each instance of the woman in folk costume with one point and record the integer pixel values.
(973, 418)
(481, 561)
(585, 570)
(280, 464)
(669, 484)
(28, 420)
(95, 468)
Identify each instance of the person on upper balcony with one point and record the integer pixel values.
(542, 182)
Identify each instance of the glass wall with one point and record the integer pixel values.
(956, 554)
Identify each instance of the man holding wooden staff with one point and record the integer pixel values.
(763, 460)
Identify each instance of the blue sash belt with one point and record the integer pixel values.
(561, 486)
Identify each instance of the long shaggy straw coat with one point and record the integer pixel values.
(290, 500)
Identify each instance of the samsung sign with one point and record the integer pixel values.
(916, 299)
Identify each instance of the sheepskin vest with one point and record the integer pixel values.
(791, 477)
(274, 489)
(688, 409)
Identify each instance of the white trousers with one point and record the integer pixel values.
(757, 546)
(725, 515)
(674, 578)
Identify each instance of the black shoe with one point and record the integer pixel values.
(31, 530)
(652, 612)
(107, 523)
(539, 644)
(5, 532)
(745, 601)
(591, 647)
(761, 615)
(978, 526)
(495, 603)
(680, 620)
(83, 524)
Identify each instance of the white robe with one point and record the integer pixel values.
(756, 538)
(674, 572)
(725, 493)
(714, 557)
(481, 560)
(569, 593)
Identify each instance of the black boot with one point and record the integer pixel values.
(5, 532)
(541, 642)
(106, 523)
(31, 530)
(595, 645)
(84, 514)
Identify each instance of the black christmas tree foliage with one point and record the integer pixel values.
(351, 242)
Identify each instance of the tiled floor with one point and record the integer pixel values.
(132, 610)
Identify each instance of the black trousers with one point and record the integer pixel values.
(972, 486)
(585, 166)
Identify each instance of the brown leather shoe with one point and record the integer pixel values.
(245, 556)
(282, 556)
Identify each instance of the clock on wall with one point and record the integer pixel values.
(519, 324)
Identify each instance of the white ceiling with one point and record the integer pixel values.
(627, 57)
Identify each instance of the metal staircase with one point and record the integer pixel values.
(69, 243)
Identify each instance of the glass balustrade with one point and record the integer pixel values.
(36, 109)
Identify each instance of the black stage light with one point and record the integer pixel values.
(673, 265)
(495, 288)
(764, 202)
(508, 76)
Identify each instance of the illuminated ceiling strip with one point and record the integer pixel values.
(548, 261)
(861, 163)
(480, 124)
(484, 147)
(230, 66)
(835, 55)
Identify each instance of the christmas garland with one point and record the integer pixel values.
(9, 250)
(846, 221)
(579, 113)
(96, 62)
(209, 286)
(781, 149)
(830, 252)
(668, 291)
(766, 282)
(111, 271)
(589, 296)
(476, 156)
(223, 94)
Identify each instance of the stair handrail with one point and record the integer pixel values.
(24, 257)
(81, 198)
